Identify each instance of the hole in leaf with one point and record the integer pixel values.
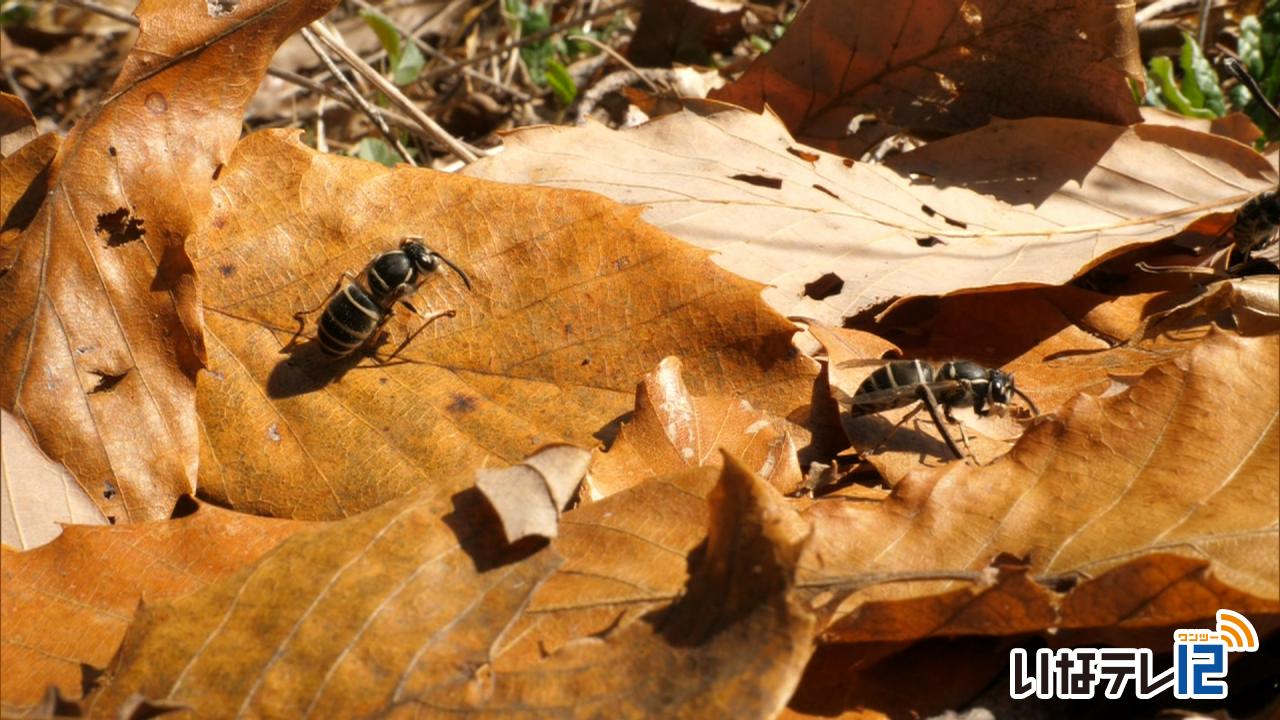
(109, 491)
(934, 213)
(824, 287)
(219, 8)
(803, 154)
(106, 380)
(819, 188)
(759, 180)
(119, 227)
(929, 241)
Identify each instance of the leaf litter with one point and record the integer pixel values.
(589, 326)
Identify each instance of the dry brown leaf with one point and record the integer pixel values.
(391, 612)
(673, 430)
(102, 306)
(68, 603)
(26, 180)
(36, 495)
(574, 299)
(1104, 488)
(1017, 202)
(529, 497)
(946, 66)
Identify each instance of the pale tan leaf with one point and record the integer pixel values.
(36, 494)
(529, 497)
(1017, 202)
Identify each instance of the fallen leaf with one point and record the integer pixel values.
(36, 495)
(672, 430)
(1017, 202)
(573, 299)
(67, 604)
(26, 180)
(17, 124)
(947, 66)
(393, 612)
(102, 302)
(1102, 488)
(529, 497)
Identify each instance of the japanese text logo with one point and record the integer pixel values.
(1199, 666)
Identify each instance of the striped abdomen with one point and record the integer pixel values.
(892, 386)
(348, 321)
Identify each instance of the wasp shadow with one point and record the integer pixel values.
(307, 368)
(883, 436)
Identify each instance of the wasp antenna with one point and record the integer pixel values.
(466, 280)
(1242, 74)
(1027, 399)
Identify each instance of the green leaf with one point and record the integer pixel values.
(387, 33)
(409, 67)
(1199, 81)
(561, 82)
(1162, 71)
(377, 150)
(1249, 45)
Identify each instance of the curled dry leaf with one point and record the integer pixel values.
(529, 497)
(946, 66)
(1098, 490)
(574, 298)
(1253, 301)
(390, 612)
(36, 495)
(672, 430)
(101, 318)
(1016, 202)
(68, 603)
(26, 181)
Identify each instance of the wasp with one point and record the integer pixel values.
(1257, 224)
(958, 383)
(359, 305)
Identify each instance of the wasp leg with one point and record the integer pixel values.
(346, 276)
(885, 440)
(931, 404)
(427, 319)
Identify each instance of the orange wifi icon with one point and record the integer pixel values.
(1236, 631)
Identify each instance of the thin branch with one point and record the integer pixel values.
(364, 105)
(388, 88)
(1202, 28)
(449, 64)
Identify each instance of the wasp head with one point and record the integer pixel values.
(1000, 387)
(426, 260)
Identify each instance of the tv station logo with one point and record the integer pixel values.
(1199, 669)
